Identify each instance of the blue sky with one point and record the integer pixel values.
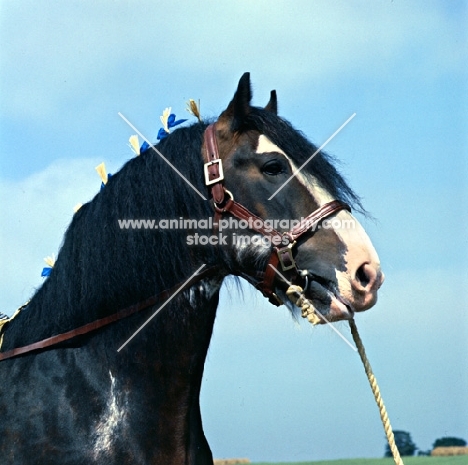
(273, 389)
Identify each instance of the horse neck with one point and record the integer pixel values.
(156, 378)
(177, 337)
(102, 269)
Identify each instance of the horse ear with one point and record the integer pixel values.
(272, 105)
(239, 107)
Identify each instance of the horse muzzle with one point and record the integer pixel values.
(365, 285)
(336, 300)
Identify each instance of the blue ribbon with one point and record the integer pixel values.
(171, 122)
(144, 147)
(108, 177)
(46, 271)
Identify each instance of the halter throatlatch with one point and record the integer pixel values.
(282, 253)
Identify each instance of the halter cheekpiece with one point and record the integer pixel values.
(224, 203)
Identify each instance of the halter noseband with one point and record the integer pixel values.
(282, 243)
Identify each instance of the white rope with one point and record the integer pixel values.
(296, 296)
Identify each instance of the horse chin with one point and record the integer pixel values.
(329, 305)
(339, 310)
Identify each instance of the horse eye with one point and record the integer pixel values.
(272, 168)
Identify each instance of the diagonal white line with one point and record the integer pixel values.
(159, 309)
(313, 155)
(162, 156)
(319, 313)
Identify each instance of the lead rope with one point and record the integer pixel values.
(376, 391)
(296, 296)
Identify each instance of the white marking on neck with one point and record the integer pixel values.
(320, 195)
(111, 419)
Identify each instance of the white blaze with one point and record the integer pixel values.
(265, 145)
(320, 195)
(350, 232)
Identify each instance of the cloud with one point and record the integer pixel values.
(37, 211)
(67, 49)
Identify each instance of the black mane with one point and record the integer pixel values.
(117, 268)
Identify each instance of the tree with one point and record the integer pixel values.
(449, 442)
(405, 444)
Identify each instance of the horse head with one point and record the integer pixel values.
(278, 177)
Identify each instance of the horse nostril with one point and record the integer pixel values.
(362, 276)
(366, 277)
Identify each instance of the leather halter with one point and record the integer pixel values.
(283, 243)
(223, 203)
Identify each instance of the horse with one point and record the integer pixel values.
(79, 399)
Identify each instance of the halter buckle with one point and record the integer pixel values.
(219, 169)
(285, 256)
